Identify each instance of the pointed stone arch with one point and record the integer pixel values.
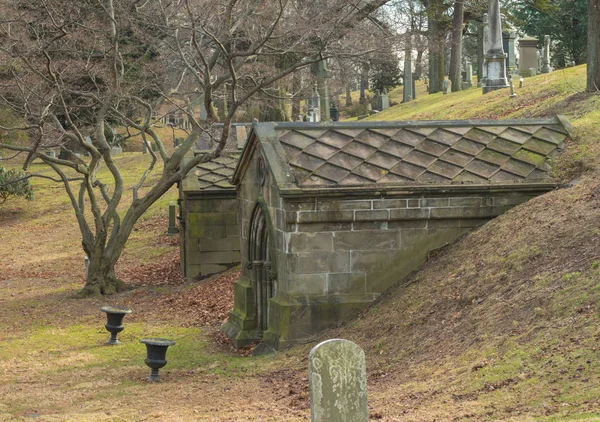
(260, 262)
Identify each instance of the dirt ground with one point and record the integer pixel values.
(46, 376)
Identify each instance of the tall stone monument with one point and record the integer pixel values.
(495, 56)
(323, 91)
(546, 55)
(407, 93)
(337, 375)
(486, 47)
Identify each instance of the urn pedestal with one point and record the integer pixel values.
(156, 349)
(114, 321)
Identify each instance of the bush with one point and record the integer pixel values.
(14, 183)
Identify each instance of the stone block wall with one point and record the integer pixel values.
(211, 236)
(341, 254)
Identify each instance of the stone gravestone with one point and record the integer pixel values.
(546, 55)
(383, 100)
(337, 376)
(468, 77)
(527, 55)
(446, 86)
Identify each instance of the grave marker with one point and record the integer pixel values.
(338, 382)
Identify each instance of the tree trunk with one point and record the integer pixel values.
(348, 96)
(436, 41)
(456, 50)
(593, 46)
(101, 278)
(419, 65)
(296, 86)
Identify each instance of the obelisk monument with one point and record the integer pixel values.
(495, 56)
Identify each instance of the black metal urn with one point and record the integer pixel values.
(156, 349)
(114, 321)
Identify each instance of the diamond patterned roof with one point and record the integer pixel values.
(215, 174)
(440, 152)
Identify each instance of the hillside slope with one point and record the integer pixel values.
(503, 325)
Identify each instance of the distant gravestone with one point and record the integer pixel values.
(446, 86)
(337, 376)
(527, 55)
(383, 101)
(117, 151)
(546, 55)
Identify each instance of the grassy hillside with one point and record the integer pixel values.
(503, 325)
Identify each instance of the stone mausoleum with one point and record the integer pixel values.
(208, 209)
(333, 214)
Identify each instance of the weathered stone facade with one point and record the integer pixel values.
(210, 232)
(324, 249)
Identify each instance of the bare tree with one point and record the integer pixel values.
(74, 78)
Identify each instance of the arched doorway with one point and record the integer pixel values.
(260, 261)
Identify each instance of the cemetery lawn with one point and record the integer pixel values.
(503, 325)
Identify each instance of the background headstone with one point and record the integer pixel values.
(383, 100)
(546, 55)
(527, 55)
(337, 376)
(446, 86)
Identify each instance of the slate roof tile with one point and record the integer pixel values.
(504, 176)
(518, 167)
(420, 158)
(308, 162)
(332, 172)
(384, 160)
(372, 138)
(539, 146)
(408, 137)
(502, 145)
(431, 147)
(408, 170)
(444, 137)
(407, 153)
(297, 139)
(370, 171)
(456, 157)
(515, 135)
(396, 148)
(358, 149)
(346, 161)
(321, 150)
(215, 174)
(354, 180)
(476, 134)
(481, 168)
(429, 177)
(335, 139)
(493, 157)
(449, 171)
(468, 146)
(550, 135)
(394, 178)
(530, 157)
